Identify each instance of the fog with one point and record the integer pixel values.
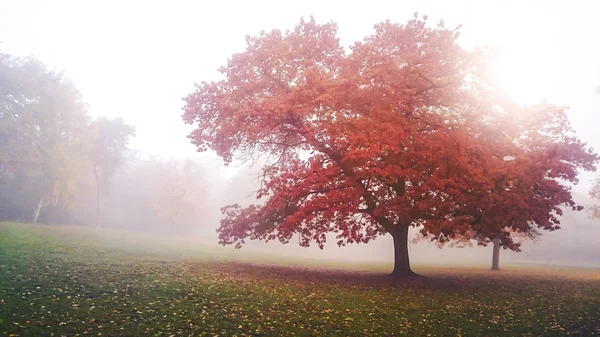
(137, 200)
(138, 59)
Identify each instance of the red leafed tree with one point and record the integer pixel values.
(532, 186)
(398, 132)
(528, 176)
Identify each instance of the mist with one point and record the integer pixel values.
(180, 200)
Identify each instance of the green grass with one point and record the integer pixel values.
(81, 282)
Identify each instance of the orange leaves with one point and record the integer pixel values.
(405, 129)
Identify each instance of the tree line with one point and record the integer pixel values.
(49, 142)
(60, 165)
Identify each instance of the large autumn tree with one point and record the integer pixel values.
(401, 131)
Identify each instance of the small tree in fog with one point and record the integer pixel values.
(108, 152)
(463, 241)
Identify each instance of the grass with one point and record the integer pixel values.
(61, 281)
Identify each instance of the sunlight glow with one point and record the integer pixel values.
(529, 69)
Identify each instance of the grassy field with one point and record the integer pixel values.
(61, 281)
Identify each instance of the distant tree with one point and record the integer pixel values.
(595, 194)
(517, 237)
(406, 130)
(43, 137)
(595, 191)
(108, 152)
(181, 192)
(134, 186)
(157, 195)
(528, 186)
(462, 241)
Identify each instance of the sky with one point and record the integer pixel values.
(138, 59)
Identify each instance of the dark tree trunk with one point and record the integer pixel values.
(401, 259)
(496, 254)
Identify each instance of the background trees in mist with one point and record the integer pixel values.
(108, 152)
(159, 195)
(57, 162)
(43, 139)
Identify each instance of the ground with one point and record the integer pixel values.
(83, 282)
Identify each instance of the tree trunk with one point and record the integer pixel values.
(38, 209)
(401, 259)
(496, 254)
(97, 197)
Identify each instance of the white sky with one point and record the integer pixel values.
(137, 59)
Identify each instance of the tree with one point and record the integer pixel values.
(108, 152)
(595, 191)
(517, 237)
(530, 188)
(153, 194)
(463, 241)
(43, 136)
(181, 192)
(400, 132)
(595, 194)
(527, 181)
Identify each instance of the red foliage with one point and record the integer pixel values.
(532, 184)
(404, 130)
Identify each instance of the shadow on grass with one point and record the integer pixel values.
(459, 280)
